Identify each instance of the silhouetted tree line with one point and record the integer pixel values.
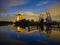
(2, 23)
(25, 23)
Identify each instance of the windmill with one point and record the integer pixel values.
(40, 17)
(19, 16)
(48, 19)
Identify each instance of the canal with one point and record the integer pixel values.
(10, 35)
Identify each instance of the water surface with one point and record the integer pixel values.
(10, 35)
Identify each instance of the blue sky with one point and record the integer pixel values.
(12, 6)
(29, 8)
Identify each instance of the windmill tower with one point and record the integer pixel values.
(19, 16)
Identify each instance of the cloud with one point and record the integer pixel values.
(5, 4)
(42, 3)
(11, 17)
(25, 15)
(54, 11)
(30, 15)
(17, 2)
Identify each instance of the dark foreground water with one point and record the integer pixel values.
(10, 35)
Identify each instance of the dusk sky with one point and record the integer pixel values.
(30, 7)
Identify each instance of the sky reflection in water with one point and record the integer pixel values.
(9, 35)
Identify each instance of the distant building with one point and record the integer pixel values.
(19, 16)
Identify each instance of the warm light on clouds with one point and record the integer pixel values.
(54, 11)
(30, 9)
(25, 15)
(30, 15)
